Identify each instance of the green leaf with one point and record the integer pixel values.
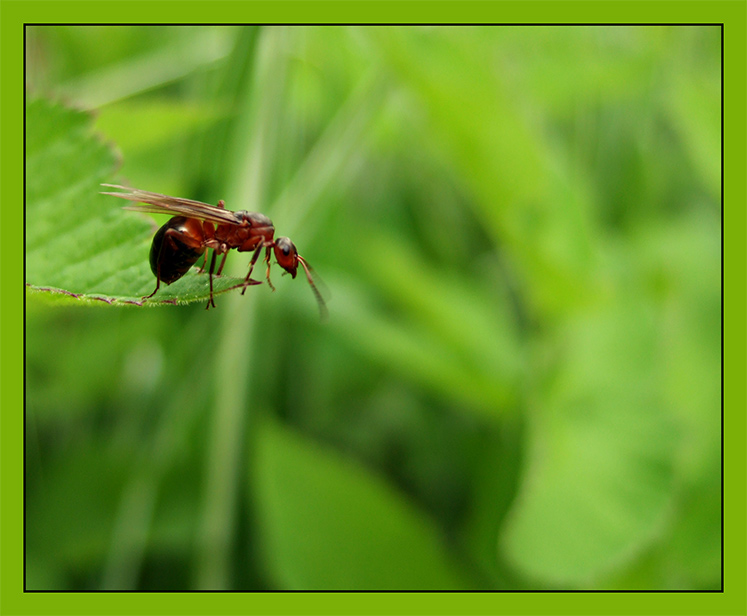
(79, 243)
(600, 468)
(327, 523)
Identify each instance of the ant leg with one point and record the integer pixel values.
(211, 301)
(222, 263)
(248, 281)
(208, 230)
(267, 260)
(158, 284)
(203, 267)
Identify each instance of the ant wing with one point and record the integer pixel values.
(163, 204)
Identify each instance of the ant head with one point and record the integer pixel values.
(287, 255)
(288, 258)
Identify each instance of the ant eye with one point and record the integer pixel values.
(284, 247)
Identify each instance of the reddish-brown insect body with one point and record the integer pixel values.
(198, 226)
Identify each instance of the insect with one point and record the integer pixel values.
(197, 227)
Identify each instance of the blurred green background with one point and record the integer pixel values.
(518, 230)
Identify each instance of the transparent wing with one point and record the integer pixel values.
(163, 204)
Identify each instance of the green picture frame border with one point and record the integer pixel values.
(15, 13)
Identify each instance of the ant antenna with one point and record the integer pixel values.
(323, 312)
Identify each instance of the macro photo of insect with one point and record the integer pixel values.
(502, 372)
(197, 227)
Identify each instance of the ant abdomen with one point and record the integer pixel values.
(174, 249)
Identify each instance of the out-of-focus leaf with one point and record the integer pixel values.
(694, 552)
(327, 523)
(80, 243)
(602, 446)
(684, 259)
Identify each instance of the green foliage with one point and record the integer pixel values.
(600, 475)
(330, 525)
(518, 232)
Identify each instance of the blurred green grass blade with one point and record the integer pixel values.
(599, 481)
(69, 526)
(411, 350)
(80, 243)
(473, 119)
(694, 103)
(213, 154)
(139, 125)
(226, 157)
(522, 193)
(474, 330)
(327, 523)
(198, 49)
(578, 67)
(336, 157)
